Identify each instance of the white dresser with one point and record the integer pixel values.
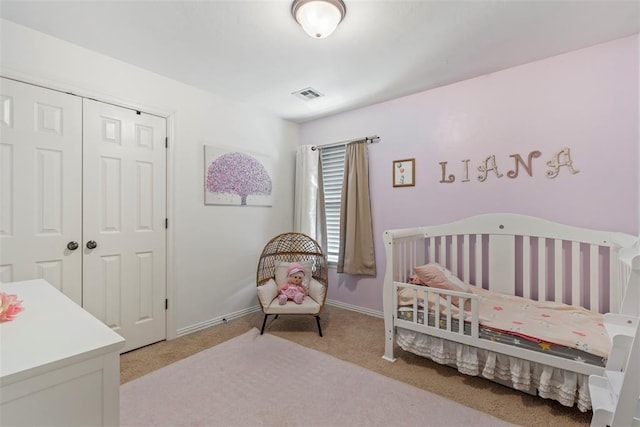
(59, 365)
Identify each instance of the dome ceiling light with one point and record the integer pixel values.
(318, 18)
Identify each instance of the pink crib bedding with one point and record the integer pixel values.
(547, 321)
(540, 321)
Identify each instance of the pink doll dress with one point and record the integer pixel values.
(291, 292)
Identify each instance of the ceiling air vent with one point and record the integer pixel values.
(307, 94)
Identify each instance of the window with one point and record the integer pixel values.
(332, 176)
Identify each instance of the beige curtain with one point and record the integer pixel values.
(356, 254)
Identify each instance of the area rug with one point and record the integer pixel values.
(263, 380)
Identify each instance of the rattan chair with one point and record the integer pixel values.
(284, 249)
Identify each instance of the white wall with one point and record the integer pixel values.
(215, 248)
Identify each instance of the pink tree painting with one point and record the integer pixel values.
(237, 174)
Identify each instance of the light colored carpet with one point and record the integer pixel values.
(265, 380)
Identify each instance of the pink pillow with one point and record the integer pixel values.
(437, 276)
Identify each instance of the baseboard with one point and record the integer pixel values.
(223, 319)
(355, 308)
(217, 321)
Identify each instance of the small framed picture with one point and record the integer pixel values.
(404, 173)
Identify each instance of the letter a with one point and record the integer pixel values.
(555, 163)
(488, 165)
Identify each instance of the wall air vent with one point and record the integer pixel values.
(307, 94)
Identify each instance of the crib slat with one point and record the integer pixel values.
(436, 309)
(542, 268)
(475, 329)
(465, 259)
(615, 286)
(399, 253)
(432, 249)
(594, 278)
(526, 266)
(418, 256)
(575, 274)
(558, 268)
(406, 259)
(478, 250)
(443, 251)
(414, 257)
(415, 306)
(454, 254)
(412, 253)
(401, 262)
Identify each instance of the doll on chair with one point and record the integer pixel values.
(293, 289)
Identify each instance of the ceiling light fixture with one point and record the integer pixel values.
(318, 18)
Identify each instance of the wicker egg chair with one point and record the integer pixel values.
(282, 250)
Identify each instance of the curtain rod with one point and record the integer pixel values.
(370, 140)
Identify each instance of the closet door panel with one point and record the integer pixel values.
(125, 210)
(40, 186)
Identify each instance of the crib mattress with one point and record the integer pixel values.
(504, 337)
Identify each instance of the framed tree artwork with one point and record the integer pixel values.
(237, 178)
(404, 173)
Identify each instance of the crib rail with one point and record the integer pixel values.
(439, 303)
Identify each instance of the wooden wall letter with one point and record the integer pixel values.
(488, 165)
(527, 167)
(466, 170)
(451, 178)
(556, 163)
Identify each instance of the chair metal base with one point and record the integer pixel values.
(264, 323)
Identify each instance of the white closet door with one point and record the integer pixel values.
(124, 195)
(40, 186)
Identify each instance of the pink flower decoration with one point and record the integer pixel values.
(498, 308)
(9, 306)
(582, 334)
(545, 315)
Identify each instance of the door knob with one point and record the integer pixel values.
(72, 246)
(91, 244)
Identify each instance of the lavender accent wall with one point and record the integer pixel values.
(586, 100)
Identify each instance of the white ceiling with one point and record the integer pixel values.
(254, 52)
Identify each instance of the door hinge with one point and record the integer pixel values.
(166, 142)
(166, 304)
(166, 223)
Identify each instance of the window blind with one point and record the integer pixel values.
(332, 175)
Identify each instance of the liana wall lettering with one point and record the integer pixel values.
(560, 159)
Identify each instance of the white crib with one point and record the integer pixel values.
(515, 255)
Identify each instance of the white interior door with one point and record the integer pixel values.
(124, 164)
(40, 186)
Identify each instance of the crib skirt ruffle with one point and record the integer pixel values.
(568, 388)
